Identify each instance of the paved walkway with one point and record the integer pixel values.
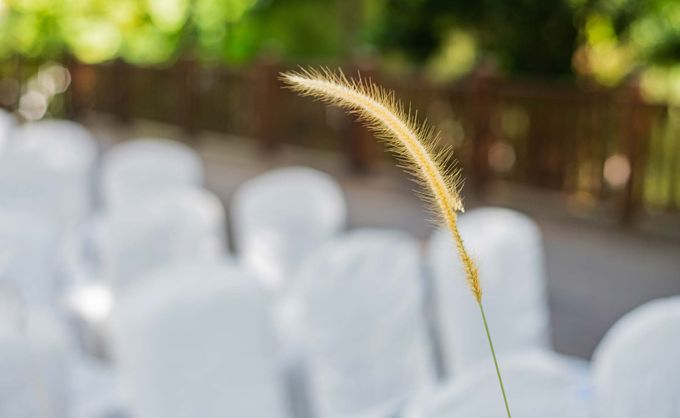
(596, 273)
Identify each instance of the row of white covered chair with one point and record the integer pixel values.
(38, 199)
(196, 338)
(154, 211)
(192, 331)
(354, 306)
(152, 200)
(635, 372)
(34, 350)
(187, 346)
(336, 294)
(56, 241)
(46, 173)
(356, 360)
(282, 216)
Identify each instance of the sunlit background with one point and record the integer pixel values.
(182, 237)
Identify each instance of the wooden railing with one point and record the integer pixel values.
(602, 147)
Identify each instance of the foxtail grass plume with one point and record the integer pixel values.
(416, 146)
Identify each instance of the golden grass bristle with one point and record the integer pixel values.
(413, 143)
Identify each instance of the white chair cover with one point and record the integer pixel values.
(508, 250)
(52, 350)
(176, 224)
(280, 216)
(48, 166)
(11, 308)
(28, 262)
(34, 369)
(137, 169)
(194, 340)
(358, 304)
(636, 367)
(7, 124)
(539, 384)
(21, 394)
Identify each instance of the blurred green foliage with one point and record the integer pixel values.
(536, 37)
(158, 31)
(601, 39)
(619, 37)
(651, 27)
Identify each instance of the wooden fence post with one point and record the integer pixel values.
(633, 146)
(481, 102)
(122, 90)
(265, 101)
(188, 103)
(74, 106)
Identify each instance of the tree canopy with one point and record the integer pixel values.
(602, 39)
